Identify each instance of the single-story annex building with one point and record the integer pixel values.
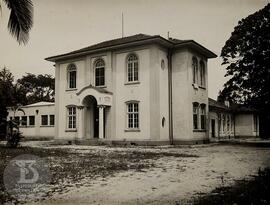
(232, 121)
(36, 121)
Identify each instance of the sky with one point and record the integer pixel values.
(61, 26)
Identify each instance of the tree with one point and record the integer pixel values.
(6, 96)
(37, 87)
(247, 56)
(20, 19)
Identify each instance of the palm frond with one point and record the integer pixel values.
(21, 19)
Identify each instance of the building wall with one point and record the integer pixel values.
(151, 92)
(38, 130)
(245, 126)
(184, 94)
(221, 119)
(124, 92)
(199, 94)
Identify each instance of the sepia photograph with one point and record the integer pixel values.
(134, 102)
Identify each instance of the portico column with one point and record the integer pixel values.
(80, 121)
(101, 122)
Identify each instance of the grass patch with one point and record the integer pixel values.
(244, 192)
(68, 166)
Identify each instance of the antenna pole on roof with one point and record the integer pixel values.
(122, 24)
(168, 34)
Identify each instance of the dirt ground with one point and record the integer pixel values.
(171, 180)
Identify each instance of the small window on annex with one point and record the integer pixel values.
(31, 120)
(44, 120)
(24, 121)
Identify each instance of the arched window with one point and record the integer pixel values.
(132, 68)
(100, 72)
(71, 74)
(202, 73)
(195, 70)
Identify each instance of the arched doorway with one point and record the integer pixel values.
(91, 117)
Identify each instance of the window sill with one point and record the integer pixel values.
(132, 83)
(71, 89)
(46, 125)
(71, 130)
(199, 130)
(202, 87)
(101, 86)
(132, 130)
(31, 126)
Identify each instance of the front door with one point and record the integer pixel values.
(213, 126)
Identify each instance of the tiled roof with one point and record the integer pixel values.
(129, 39)
(215, 104)
(236, 108)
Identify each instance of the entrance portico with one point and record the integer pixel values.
(91, 116)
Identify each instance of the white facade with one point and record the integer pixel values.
(37, 120)
(148, 100)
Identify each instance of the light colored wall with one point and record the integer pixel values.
(198, 94)
(37, 130)
(244, 125)
(184, 94)
(124, 92)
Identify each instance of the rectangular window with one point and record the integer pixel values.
(71, 117)
(133, 115)
(17, 120)
(203, 117)
(100, 76)
(31, 120)
(51, 119)
(44, 120)
(72, 79)
(195, 116)
(24, 121)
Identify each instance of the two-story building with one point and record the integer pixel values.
(139, 89)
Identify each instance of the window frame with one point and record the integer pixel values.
(23, 123)
(29, 120)
(135, 125)
(50, 120)
(71, 68)
(41, 123)
(203, 116)
(202, 74)
(96, 67)
(195, 112)
(195, 70)
(72, 116)
(133, 62)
